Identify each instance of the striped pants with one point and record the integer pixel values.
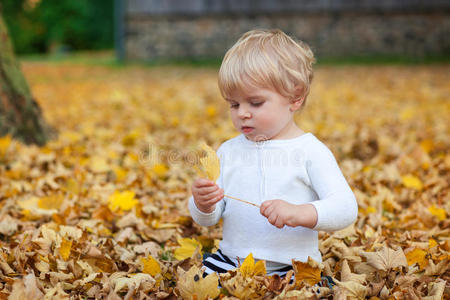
(220, 263)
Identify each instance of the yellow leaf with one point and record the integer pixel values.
(192, 285)
(438, 212)
(427, 145)
(369, 232)
(210, 164)
(432, 243)
(99, 164)
(122, 201)
(65, 248)
(308, 272)
(407, 114)
(160, 170)
(121, 173)
(150, 266)
(417, 256)
(72, 186)
(130, 139)
(51, 202)
(187, 248)
(411, 181)
(250, 269)
(71, 136)
(371, 210)
(5, 142)
(211, 111)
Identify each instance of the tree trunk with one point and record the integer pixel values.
(20, 114)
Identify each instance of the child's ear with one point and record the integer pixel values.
(297, 102)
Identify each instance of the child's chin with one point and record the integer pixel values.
(256, 138)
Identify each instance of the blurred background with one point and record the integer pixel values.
(50, 26)
(145, 30)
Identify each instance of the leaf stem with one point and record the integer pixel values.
(241, 200)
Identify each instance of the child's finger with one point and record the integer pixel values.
(264, 206)
(214, 194)
(216, 199)
(207, 190)
(272, 218)
(268, 211)
(202, 182)
(278, 223)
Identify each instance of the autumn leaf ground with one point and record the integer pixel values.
(101, 210)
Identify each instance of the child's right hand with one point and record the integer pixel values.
(206, 194)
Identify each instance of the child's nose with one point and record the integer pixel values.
(243, 113)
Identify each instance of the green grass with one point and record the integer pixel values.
(107, 58)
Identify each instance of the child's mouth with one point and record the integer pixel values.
(246, 129)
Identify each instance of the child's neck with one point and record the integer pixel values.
(291, 132)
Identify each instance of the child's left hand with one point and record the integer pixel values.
(280, 213)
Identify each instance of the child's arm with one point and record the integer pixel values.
(336, 208)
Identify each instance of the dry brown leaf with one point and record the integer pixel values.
(347, 275)
(243, 287)
(351, 290)
(386, 258)
(435, 290)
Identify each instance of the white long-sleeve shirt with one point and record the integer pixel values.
(299, 170)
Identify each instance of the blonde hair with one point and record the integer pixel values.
(268, 59)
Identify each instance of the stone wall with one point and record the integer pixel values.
(334, 32)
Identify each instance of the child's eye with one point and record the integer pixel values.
(257, 103)
(234, 105)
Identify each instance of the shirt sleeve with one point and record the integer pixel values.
(209, 219)
(336, 205)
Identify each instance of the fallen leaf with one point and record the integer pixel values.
(438, 212)
(411, 181)
(351, 290)
(417, 256)
(192, 285)
(160, 170)
(150, 266)
(65, 249)
(51, 202)
(347, 275)
(435, 290)
(187, 248)
(122, 201)
(5, 142)
(308, 272)
(386, 258)
(133, 282)
(249, 268)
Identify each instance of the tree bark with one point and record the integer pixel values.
(20, 114)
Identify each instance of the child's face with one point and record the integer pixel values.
(262, 114)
